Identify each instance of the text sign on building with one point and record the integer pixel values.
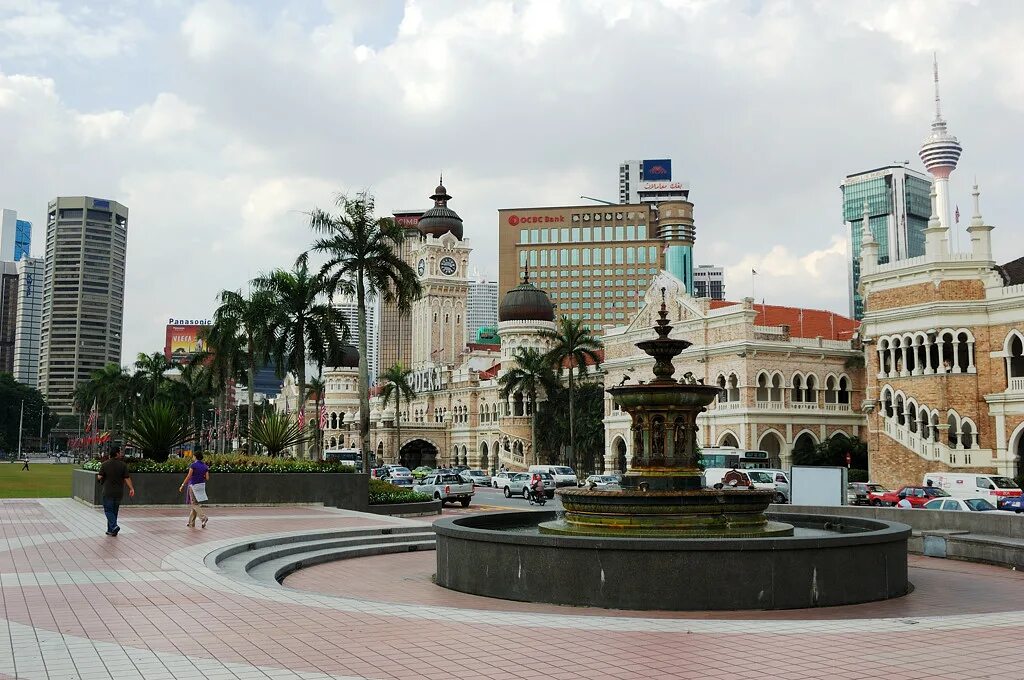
(189, 322)
(427, 380)
(407, 220)
(657, 170)
(661, 186)
(515, 220)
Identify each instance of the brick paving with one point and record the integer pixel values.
(78, 604)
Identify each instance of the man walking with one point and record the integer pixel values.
(114, 477)
(25, 464)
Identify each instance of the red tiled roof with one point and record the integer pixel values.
(490, 372)
(480, 346)
(803, 323)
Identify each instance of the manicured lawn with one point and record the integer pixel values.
(42, 480)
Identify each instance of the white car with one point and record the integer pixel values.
(499, 480)
(562, 474)
(602, 481)
(965, 504)
(476, 477)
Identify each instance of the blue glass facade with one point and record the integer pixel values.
(679, 263)
(22, 239)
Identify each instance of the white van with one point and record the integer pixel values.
(564, 475)
(971, 485)
(759, 478)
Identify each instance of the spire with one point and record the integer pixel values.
(976, 220)
(526, 274)
(933, 220)
(935, 73)
(981, 233)
(867, 235)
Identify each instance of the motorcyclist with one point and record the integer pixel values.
(537, 486)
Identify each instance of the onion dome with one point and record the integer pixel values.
(440, 219)
(526, 302)
(348, 357)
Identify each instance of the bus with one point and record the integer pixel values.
(727, 457)
(353, 457)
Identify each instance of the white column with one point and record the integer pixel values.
(956, 355)
(928, 368)
(970, 357)
(903, 369)
(882, 373)
(941, 367)
(918, 366)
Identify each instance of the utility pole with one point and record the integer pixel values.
(21, 424)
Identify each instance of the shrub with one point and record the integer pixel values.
(386, 493)
(856, 475)
(156, 429)
(277, 432)
(230, 462)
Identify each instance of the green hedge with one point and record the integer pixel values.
(386, 493)
(229, 462)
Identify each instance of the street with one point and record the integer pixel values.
(486, 499)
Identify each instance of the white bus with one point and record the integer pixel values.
(353, 457)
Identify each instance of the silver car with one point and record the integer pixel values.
(519, 484)
(476, 477)
(602, 481)
(398, 475)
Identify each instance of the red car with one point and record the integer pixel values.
(917, 495)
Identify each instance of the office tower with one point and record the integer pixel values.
(8, 314)
(898, 206)
(83, 294)
(15, 236)
(29, 320)
(394, 332)
(350, 312)
(940, 153)
(652, 178)
(594, 261)
(481, 307)
(709, 282)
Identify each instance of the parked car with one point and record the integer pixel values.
(446, 487)
(421, 472)
(964, 504)
(759, 479)
(398, 475)
(602, 481)
(1012, 503)
(499, 479)
(862, 493)
(917, 495)
(563, 475)
(519, 484)
(476, 477)
(779, 478)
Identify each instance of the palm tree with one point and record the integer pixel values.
(152, 368)
(252, 316)
(193, 392)
(225, 344)
(317, 390)
(574, 344)
(303, 327)
(363, 260)
(112, 390)
(530, 375)
(396, 384)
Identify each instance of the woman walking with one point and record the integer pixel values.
(195, 480)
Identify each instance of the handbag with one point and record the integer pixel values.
(199, 492)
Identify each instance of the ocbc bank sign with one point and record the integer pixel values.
(516, 220)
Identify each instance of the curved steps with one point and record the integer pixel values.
(271, 560)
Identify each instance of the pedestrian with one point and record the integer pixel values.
(904, 504)
(114, 476)
(195, 495)
(25, 464)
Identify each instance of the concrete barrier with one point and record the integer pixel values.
(348, 490)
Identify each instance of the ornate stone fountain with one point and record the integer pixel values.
(662, 494)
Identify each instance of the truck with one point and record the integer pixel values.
(446, 487)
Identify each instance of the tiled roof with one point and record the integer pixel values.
(490, 372)
(1013, 271)
(803, 323)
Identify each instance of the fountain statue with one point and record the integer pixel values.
(662, 494)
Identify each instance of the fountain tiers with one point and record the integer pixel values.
(662, 494)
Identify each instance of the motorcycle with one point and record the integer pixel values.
(537, 498)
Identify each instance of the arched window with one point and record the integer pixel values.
(797, 395)
(901, 416)
(954, 430)
(967, 435)
(763, 389)
(912, 416)
(1015, 362)
(334, 421)
(811, 393)
(831, 394)
(776, 393)
(723, 396)
(844, 390)
(887, 402)
(734, 389)
(517, 400)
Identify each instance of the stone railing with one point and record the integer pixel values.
(804, 405)
(836, 407)
(770, 405)
(729, 405)
(933, 450)
(1017, 384)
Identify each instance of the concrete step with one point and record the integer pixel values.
(280, 568)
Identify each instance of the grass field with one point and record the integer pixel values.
(42, 480)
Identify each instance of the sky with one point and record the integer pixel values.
(220, 124)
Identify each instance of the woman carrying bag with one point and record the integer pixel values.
(195, 480)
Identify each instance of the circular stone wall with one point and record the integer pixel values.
(501, 555)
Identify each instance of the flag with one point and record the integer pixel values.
(956, 215)
(323, 415)
(302, 420)
(92, 417)
(665, 249)
(753, 272)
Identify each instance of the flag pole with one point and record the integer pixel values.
(21, 423)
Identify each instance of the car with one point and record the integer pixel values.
(519, 484)
(974, 485)
(602, 482)
(863, 493)
(476, 477)
(398, 475)
(421, 472)
(1012, 503)
(778, 477)
(964, 504)
(499, 479)
(562, 474)
(446, 487)
(917, 495)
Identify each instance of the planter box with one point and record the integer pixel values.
(348, 490)
(406, 509)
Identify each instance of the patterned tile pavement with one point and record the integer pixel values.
(78, 604)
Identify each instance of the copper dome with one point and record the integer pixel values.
(348, 357)
(440, 219)
(526, 302)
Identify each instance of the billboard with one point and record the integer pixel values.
(658, 170)
(183, 341)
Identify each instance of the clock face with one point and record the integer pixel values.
(421, 268)
(448, 266)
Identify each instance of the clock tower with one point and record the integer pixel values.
(441, 260)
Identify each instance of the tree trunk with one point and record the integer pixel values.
(572, 422)
(302, 403)
(533, 429)
(398, 424)
(252, 396)
(364, 373)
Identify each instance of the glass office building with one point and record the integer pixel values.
(899, 205)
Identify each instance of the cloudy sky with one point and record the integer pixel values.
(218, 123)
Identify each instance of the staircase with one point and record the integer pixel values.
(933, 450)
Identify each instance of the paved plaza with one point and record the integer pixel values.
(145, 604)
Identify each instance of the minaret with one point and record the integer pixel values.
(868, 245)
(940, 153)
(981, 237)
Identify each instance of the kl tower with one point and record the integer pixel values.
(940, 153)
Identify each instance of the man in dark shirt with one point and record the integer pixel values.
(114, 477)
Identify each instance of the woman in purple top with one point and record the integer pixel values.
(195, 480)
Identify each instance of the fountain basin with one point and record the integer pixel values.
(828, 561)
